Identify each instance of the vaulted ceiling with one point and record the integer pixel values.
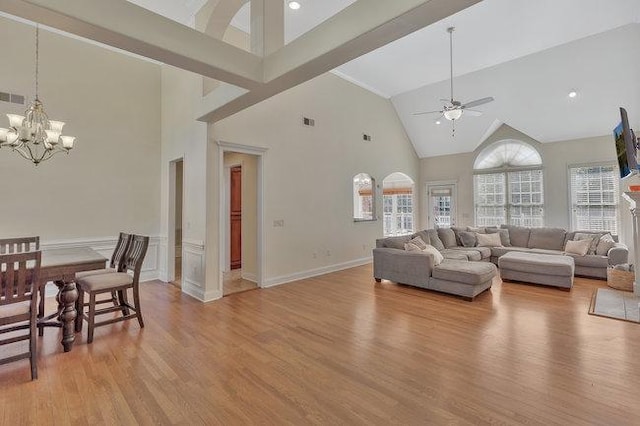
(526, 54)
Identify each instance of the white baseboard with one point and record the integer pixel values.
(283, 279)
(249, 276)
(199, 293)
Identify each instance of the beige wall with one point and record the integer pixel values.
(556, 157)
(308, 172)
(111, 103)
(249, 165)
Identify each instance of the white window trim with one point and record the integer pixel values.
(570, 195)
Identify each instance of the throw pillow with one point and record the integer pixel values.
(605, 243)
(593, 238)
(479, 230)
(419, 242)
(488, 240)
(468, 239)
(437, 256)
(579, 247)
(411, 247)
(504, 235)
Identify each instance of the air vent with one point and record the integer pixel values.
(308, 121)
(366, 137)
(12, 98)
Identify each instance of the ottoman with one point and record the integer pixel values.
(545, 269)
(462, 278)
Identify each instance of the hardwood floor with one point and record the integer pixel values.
(341, 349)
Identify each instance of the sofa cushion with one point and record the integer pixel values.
(434, 239)
(454, 254)
(424, 235)
(594, 238)
(448, 237)
(592, 261)
(456, 230)
(518, 235)
(396, 242)
(546, 238)
(468, 239)
(472, 273)
(437, 256)
(469, 253)
(489, 240)
(545, 251)
(418, 242)
(485, 252)
(537, 263)
(411, 247)
(500, 251)
(504, 235)
(578, 247)
(605, 244)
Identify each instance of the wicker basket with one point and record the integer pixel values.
(620, 280)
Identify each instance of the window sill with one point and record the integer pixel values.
(365, 220)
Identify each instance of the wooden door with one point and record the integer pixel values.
(236, 217)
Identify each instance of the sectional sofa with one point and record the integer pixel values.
(392, 262)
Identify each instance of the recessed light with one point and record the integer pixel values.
(294, 5)
(438, 121)
(573, 94)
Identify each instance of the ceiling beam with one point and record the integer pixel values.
(126, 26)
(364, 26)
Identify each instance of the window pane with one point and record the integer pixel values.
(594, 198)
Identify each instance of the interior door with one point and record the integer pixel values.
(236, 217)
(441, 206)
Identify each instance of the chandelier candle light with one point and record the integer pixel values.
(34, 136)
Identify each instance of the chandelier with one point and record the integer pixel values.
(34, 136)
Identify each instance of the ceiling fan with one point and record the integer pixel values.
(455, 109)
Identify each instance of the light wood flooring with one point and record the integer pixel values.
(232, 283)
(341, 349)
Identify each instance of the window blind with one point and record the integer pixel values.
(594, 198)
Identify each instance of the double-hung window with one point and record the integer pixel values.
(594, 197)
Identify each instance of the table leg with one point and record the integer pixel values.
(67, 296)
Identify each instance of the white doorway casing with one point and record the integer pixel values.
(171, 237)
(259, 152)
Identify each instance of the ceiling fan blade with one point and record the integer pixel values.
(472, 112)
(478, 102)
(427, 112)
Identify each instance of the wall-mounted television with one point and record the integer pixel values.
(625, 146)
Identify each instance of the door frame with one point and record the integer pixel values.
(259, 152)
(427, 202)
(171, 225)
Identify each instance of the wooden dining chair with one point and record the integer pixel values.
(115, 281)
(19, 245)
(19, 278)
(116, 264)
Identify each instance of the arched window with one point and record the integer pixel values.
(364, 200)
(508, 185)
(397, 197)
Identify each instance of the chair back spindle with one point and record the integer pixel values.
(117, 258)
(19, 278)
(19, 245)
(135, 255)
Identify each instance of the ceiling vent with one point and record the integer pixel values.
(11, 98)
(310, 122)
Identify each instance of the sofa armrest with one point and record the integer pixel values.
(406, 267)
(618, 254)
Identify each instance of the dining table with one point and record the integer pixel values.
(60, 265)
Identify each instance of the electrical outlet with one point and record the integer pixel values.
(364, 247)
(279, 223)
(314, 255)
(328, 253)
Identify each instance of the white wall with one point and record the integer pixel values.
(184, 137)
(556, 157)
(110, 182)
(309, 171)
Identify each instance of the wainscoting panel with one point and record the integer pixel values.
(193, 269)
(105, 247)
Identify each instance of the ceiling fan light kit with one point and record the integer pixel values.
(456, 109)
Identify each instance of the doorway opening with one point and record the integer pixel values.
(175, 222)
(241, 222)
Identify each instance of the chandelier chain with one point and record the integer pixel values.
(37, 56)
